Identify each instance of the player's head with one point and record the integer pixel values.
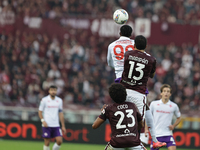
(53, 90)
(117, 92)
(140, 42)
(166, 91)
(126, 30)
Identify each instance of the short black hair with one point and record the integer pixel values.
(140, 42)
(53, 87)
(117, 92)
(126, 30)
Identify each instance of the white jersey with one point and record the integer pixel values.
(162, 115)
(115, 56)
(51, 109)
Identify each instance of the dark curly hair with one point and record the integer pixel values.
(117, 92)
(126, 30)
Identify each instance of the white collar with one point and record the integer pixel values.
(51, 98)
(168, 103)
(124, 38)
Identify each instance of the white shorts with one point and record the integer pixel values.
(138, 99)
(143, 138)
(139, 147)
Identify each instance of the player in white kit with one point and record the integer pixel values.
(116, 50)
(163, 110)
(115, 59)
(50, 110)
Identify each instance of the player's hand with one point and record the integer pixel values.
(44, 124)
(63, 130)
(171, 127)
(104, 106)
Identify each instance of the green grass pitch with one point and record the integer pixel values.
(27, 145)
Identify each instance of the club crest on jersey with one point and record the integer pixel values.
(103, 111)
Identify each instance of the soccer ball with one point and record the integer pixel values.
(120, 16)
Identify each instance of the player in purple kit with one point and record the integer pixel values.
(124, 119)
(138, 67)
(51, 108)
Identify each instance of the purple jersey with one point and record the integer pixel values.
(123, 120)
(137, 68)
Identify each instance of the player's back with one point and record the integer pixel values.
(124, 119)
(116, 50)
(138, 67)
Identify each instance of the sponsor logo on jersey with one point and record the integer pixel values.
(52, 106)
(161, 111)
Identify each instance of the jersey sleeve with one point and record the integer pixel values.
(151, 107)
(61, 106)
(42, 105)
(154, 67)
(104, 113)
(177, 112)
(109, 58)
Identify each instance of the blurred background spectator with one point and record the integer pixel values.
(173, 11)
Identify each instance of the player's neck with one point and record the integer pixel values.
(165, 101)
(52, 97)
(140, 50)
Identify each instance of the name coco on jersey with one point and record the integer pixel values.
(124, 106)
(142, 60)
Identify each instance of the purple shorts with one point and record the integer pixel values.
(119, 79)
(51, 132)
(169, 140)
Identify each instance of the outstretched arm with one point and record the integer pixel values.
(97, 123)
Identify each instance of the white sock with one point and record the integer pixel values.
(46, 147)
(56, 146)
(150, 124)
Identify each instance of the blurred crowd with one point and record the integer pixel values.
(173, 11)
(30, 63)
